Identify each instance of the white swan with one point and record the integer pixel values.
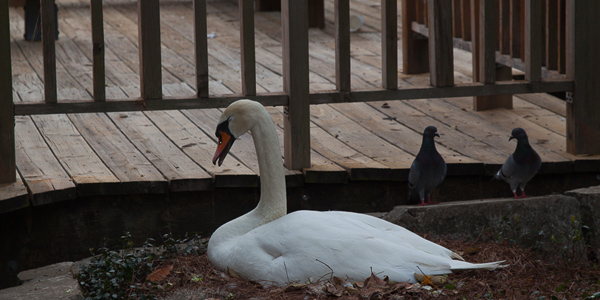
(269, 246)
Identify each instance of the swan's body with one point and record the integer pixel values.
(269, 246)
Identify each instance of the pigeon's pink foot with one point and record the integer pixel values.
(525, 196)
(516, 196)
(422, 203)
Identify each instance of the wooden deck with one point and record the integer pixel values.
(61, 157)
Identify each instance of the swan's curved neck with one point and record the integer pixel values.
(273, 201)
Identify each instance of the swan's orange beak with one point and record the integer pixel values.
(225, 142)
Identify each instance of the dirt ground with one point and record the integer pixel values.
(527, 277)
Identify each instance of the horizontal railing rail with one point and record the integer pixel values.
(503, 31)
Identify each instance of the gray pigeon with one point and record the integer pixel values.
(428, 170)
(520, 166)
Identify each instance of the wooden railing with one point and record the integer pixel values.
(420, 18)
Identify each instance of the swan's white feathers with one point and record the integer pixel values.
(269, 246)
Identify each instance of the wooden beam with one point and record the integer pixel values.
(552, 34)
(459, 90)
(457, 19)
(49, 50)
(533, 40)
(583, 63)
(201, 48)
(487, 38)
(98, 65)
(247, 45)
(562, 67)
(389, 44)
(441, 57)
(515, 28)
(466, 20)
(504, 27)
(294, 19)
(342, 45)
(7, 117)
(415, 49)
(149, 49)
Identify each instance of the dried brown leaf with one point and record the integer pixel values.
(160, 274)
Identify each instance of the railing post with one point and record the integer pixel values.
(441, 57)
(149, 48)
(415, 49)
(7, 112)
(583, 63)
(247, 48)
(389, 44)
(201, 48)
(342, 45)
(98, 64)
(294, 19)
(49, 50)
(485, 69)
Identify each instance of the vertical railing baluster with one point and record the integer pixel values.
(441, 55)
(248, 50)
(7, 116)
(294, 19)
(98, 63)
(457, 18)
(389, 44)
(552, 33)
(342, 45)
(533, 40)
(201, 48)
(487, 39)
(583, 63)
(504, 27)
(466, 19)
(562, 36)
(49, 50)
(149, 49)
(415, 50)
(515, 28)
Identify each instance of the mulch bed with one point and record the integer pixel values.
(527, 277)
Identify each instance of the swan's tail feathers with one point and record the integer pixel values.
(462, 265)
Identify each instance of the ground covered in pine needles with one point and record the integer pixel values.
(527, 277)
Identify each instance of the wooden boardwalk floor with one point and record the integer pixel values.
(61, 157)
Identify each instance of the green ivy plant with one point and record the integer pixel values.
(121, 274)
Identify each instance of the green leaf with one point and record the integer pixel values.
(560, 288)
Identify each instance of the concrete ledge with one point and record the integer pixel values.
(53, 282)
(555, 226)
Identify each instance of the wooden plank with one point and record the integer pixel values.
(562, 36)
(467, 21)
(457, 18)
(200, 147)
(48, 45)
(7, 116)
(296, 83)
(504, 27)
(322, 170)
(389, 44)
(13, 196)
(149, 49)
(533, 40)
(342, 45)
(487, 38)
(583, 63)
(246, 11)
(82, 164)
(516, 27)
(441, 57)
(99, 69)
(136, 174)
(182, 173)
(415, 51)
(552, 34)
(375, 118)
(357, 137)
(45, 177)
(201, 48)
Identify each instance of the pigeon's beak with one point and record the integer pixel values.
(437, 135)
(511, 137)
(225, 142)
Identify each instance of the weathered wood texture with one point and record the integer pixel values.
(583, 63)
(149, 49)
(441, 48)
(7, 117)
(296, 83)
